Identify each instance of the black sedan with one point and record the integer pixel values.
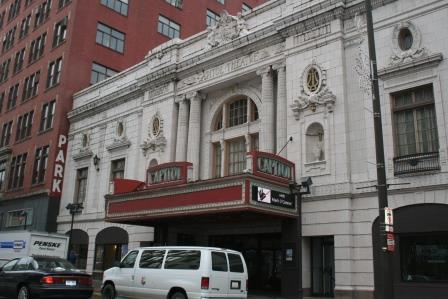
(43, 277)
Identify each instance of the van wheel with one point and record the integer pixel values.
(109, 292)
(178, 295)
(23, 293)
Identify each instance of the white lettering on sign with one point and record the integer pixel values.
(164, 175)
(59, 166)
(274, 167)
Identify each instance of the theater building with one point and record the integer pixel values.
(207, 142)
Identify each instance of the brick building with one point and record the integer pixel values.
(53, 48)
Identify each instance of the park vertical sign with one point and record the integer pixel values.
(59, 164)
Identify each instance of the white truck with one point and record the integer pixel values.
(15, 244)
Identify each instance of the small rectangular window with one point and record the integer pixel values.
(151, 259)
(40, 164)
(17, 171)
(120, 6)
(81, 185)
(19, 218)
(63, 3)
(183, 259)
(117, 169)
(212, 18)
(54, 72)
(60, 32)
(42, 13)
(110, 37)
(100, 73)
(168, 28)
(175, 3)
(47, 116)
(219, 261)
(3, 166)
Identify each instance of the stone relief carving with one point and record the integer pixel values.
(226, 29)
(84, 147)
(362, 60)
(314, 91)
(156, 141)
(414, 49)
(120, 139)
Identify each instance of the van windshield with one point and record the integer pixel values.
(183, 259)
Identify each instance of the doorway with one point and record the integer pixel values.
(322, 266)
(262, 253)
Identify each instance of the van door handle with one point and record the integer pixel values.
(215, 289)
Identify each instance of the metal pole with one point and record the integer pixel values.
(26, 219)
(299, 257)
(385, 266)
(71, 233)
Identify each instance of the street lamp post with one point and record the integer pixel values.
(298, 190)
(74, 208)
(385, 265)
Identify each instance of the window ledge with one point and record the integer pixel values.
(422, 62)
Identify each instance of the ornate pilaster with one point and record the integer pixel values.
(282, 108)
(267, 138)
(182, 130)
(194, 132)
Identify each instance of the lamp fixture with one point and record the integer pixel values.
(96, 162)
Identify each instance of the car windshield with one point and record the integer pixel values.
(55, 264)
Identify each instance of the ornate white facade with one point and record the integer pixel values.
(302, 64)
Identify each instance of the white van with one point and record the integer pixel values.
(176, 272)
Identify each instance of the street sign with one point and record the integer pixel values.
(390, 242)
(388, 216)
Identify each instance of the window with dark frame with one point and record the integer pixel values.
(25, 26)
(2, 100)
(175, 3)
(236, 156)
(18, 61)
(415, 123)
(17, 171)
(8, 40)
(81, 185)
(217, 159)
(60, 32)
(120, 6)
(24, 125)
(237, 112)
(15, 218)
(40, 164)
(3, 166)
(54, 72)
(4, 70)
(31, 86)
(246, 8)
(110, 37)
(12, 96)
(47, 116)
(63, 3)
(6, 134)
(424, 258)
(42, 13)
(2, 18)
(117, 169)
(37, 48)
(211, 18)
(100, 73)
(168, 28)
(14, 10)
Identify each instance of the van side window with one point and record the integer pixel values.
(183, 259)
(219, 261)
(129, 260)
(151, 259)
(236, 265)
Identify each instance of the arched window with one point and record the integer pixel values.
(229, 155)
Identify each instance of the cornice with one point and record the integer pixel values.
(412, 65)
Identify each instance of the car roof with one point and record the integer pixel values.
(188, 248)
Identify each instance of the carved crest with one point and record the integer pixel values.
(156, 140)
(314, 91)
(406, 32)
(226, 29)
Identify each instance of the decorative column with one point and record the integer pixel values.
(223, 158)
(194, 133)
(182, 130)
(282, 137)
(267, 138)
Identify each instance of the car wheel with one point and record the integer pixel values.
(23, 293)
(178, 295)
(109, 292)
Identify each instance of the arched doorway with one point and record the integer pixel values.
(79, 245)
(420, 261)
(111, 244)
